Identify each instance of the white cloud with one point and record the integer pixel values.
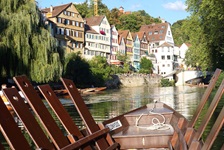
(178, 5)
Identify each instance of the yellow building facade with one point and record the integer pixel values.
(67, 26)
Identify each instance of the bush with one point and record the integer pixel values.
(166, 83)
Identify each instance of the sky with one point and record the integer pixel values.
(169, 10)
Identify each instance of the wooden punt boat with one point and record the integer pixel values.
(154, 126)
(151, 126)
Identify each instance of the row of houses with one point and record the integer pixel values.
(94, 36)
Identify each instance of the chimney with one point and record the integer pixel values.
(51, 8)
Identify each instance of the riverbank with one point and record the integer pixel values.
(133, 80)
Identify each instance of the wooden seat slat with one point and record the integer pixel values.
(214, 131)
(84, 112)
(205, 97)
(28, 120)
(210, 111)
(41, 112)
(61, 113)
(87, 139)
(10, 130)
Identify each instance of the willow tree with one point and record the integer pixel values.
(26, 46)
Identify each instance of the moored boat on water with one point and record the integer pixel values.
(151, 126)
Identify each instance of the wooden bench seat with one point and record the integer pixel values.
(143, 134)
(143, 131)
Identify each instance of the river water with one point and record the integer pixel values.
(110, 103)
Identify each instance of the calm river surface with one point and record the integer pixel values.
(110, 103)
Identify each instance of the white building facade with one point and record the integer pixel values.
(97, 37)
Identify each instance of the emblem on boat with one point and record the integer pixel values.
(114, 125)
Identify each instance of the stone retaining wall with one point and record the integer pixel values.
(133, 80)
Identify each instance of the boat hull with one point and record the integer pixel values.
(139, 128)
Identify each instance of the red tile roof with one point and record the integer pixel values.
(95, 20)
(165, 44)
(134, 36)
(141, 35)
(57, 9)
(155, 32)
(89, 29)
(124, 34)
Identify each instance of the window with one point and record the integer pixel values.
(168, 65)
(76, 34)
(67, 32)
(64, 12)
(77, 23)
(58, 30)
(81, 24)
(73, 23)
(150, 33)
(156, 32)
(163, 57)
(62, 31)
(73, 14)
(67, 21)
(168, 57)
(59, 20)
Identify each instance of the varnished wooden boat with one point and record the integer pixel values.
(92, 90)
(153, 126)
(63, 92)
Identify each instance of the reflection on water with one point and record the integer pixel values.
(110, 103)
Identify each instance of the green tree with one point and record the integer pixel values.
(134, 21)
(78, 70)
(145, 65)
(114, 16)
(26, 46)
(204, 28)
(178, 32)
(82, 8)
(100, 69)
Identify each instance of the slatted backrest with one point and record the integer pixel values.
(84, 112)
(41, 112)
(205, 98)
(61, 113)
(214, 131)
(10, 130)
(30, 123)
(209, 112)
